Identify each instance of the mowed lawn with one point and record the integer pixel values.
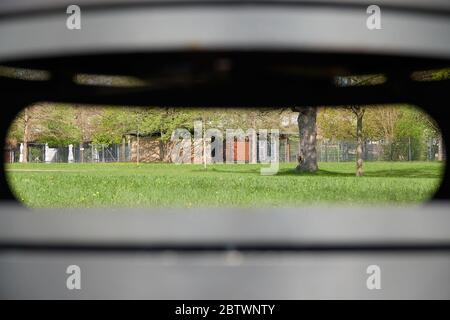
(220, 185)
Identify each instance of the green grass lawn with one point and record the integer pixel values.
(170, 185)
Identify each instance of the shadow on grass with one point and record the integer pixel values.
(394, 173)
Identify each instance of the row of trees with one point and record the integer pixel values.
(385, 122)
(401, 127)
(59, 125)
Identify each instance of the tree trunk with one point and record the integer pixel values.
(26, 133)
(359, 136)
(440, 149)
(307, 159)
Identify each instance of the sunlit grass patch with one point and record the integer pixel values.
(220, 185)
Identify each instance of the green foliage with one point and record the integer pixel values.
(118, 122)
(35, 154)
(58, 128)
(113, 124)
(432, 75)
(390, 123)
(15, 131)
(58, 124)
(410, 133)
(442, 74)
(336, 123)
(173, 118)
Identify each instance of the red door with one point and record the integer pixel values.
(238, 154)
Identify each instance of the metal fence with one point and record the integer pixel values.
(407, 149)
(101, 153)
(38, 152)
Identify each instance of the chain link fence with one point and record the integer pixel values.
(101, 153)
(85, 153)
(407, 149)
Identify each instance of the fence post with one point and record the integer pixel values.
(409, 149)
(338, 151)
(347, 151)
(288, 146)
(365, 152)
(391, 155)
(429, 149)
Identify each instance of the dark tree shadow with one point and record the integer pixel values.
(394, 173)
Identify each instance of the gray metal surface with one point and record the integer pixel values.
(21, 6)
(305, 28)
(307, 225)
(40, 272)
(227, 275)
